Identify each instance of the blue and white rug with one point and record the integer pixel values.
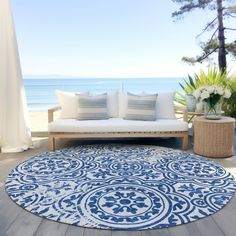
(120, 186)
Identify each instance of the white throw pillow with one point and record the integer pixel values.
(165, 106)
(112, 103)
(69, 104)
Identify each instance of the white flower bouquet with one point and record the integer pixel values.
(206, 92)
(211, 95)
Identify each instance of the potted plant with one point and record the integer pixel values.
(188, 99)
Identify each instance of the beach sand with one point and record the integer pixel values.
(39, 120)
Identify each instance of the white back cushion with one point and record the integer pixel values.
(123, 103)
(69, 104)
(165, 106)
(116, 104)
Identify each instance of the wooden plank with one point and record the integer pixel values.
(126, 233)
(75, 231)
(26, 224)
(226, 220)
(156, 232)
(207, 226)
(96, 232)
(184, 230)
(8, 211)
(232, 202)
(47, 227)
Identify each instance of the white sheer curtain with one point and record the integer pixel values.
(14, 130)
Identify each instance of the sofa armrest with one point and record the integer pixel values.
(182, 110)
(51, 113)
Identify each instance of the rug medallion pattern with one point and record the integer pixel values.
(120, 186)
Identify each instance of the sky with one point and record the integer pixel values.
(106, 38)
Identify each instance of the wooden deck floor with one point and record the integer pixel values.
(14, 221)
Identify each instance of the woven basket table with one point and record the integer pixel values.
(213, 138)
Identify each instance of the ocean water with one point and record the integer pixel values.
(40, 93)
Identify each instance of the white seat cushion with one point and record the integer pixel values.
(116, 125)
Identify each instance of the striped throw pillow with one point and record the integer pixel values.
(92, 107)
(141, 107)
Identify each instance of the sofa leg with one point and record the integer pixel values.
(185, 142)
(51, 143)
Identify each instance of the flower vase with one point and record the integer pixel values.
(212, 112)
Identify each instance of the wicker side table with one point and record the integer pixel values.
(213, 138)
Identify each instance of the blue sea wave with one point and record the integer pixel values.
(40, 93)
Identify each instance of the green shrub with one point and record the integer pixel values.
(212, 77)
(229, 105)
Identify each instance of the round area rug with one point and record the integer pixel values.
(120, 186)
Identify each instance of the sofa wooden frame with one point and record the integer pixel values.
(52, 136)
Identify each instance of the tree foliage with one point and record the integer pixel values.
(217, 42)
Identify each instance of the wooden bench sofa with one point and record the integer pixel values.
(66, 129)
